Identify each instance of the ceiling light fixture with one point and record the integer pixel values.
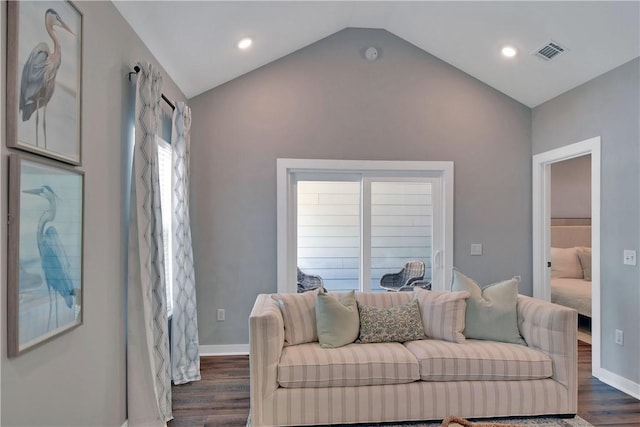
(509, 51)
(245, 43)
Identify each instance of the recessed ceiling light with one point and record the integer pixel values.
(245, 43)
(509, 51)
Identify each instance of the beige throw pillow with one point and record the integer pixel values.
(565, 263)
(299, 315)
(584, 255)
(442, 313)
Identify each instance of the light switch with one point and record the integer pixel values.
(629, 257)
(476, 249)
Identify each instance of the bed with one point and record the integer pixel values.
(571, 264)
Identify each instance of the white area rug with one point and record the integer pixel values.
(529, 422)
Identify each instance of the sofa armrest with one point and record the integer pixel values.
(552, 329)
(266, 340)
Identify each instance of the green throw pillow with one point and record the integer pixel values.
(337, 319)
(396, 324)
(491, 311)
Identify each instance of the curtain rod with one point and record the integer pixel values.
(136, 70)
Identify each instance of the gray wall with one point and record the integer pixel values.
(571, 188)
(78, 379)
(327, 102)
(608, 106)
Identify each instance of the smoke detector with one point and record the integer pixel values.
(549, 51)
(371, 53)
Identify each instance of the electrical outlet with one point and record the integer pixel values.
(619, 337)
(221, 314)
(629, 257)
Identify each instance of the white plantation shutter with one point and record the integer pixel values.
(164, 166)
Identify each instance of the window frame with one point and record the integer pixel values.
(287, 171)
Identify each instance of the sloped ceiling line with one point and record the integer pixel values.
(201, 53)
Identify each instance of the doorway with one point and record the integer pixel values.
(542, 228)
(571, 239)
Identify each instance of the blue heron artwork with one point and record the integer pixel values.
(46, 78)
(55, 263)
(50, 249)
(39, 74)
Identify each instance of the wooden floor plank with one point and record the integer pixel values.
(221, 398)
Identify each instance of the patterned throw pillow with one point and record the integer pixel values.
(299, 316)
(396, 324)
(442, 313)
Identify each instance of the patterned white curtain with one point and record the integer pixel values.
(185, 352)
(148, 360)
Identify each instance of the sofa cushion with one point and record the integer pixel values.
(309, 365)
(383, 299)
(442, 313)
(478, 360)
(299, 316)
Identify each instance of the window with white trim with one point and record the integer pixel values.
(350, 222)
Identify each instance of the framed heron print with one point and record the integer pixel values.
(44, 79)
(45, 251)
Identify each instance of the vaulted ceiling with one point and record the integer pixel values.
(196, 41)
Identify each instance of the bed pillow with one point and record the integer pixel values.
(442, 313)
(584, 255)
(337, 319)
(396, 324)
(491, 312)
(565, 263)
(299, 316)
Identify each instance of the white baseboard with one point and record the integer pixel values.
(618, 382)
(125, 424)
(224, 350)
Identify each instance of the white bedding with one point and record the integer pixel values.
(574, 293)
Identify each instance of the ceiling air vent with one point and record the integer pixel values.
(549, 51)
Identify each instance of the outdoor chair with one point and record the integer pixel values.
(403, 280)
(308, 282)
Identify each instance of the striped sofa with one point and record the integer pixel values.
(304, 384)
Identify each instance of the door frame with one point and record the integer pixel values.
(541, 205)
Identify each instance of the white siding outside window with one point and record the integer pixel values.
(329, 232)
(401, 227)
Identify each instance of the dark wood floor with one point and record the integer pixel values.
(221, 398)
(599, 403)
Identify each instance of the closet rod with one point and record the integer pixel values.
(136, 70)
